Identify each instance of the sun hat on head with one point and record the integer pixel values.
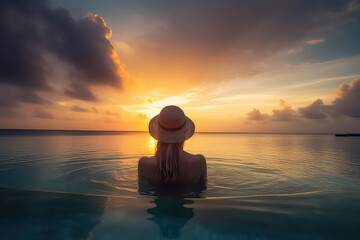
(171, 125)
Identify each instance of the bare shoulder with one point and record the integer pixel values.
(196, 157)
(142, 160)
(201, 157)
(198, 163)
(146, 160)
(202, 160)
(145, 165)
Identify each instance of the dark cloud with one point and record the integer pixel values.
(31, 29)
(284, 114)
(347, 104)
(316, 110)
(21, 59)
(255, 114)
(11, 97)
(77, 108)
(80, 91)
(85, 44)
(29, 97)
(41, 113)
(6, 102)
(8, 112)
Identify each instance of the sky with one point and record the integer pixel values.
(232, 66)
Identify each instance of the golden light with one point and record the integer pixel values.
(151, 108)
(154, 107)
(152, 144)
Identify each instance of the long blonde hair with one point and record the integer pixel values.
(168, 158)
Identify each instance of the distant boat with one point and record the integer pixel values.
(347, 135)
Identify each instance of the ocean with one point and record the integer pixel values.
(84, 185)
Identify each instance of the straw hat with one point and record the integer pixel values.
(171, 125)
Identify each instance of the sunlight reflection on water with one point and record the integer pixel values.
(238, 164)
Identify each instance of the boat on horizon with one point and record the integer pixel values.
(347, 134)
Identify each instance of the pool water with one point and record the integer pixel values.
(84, 185)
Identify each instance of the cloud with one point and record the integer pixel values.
(80, 91)
(316, 110)
(347, 104)
(232, 38)
(255, 114)
(315, 41)
(21, 59)
(31, 30)
(77, 108)
(41, 113)
(6, 102)
(30, 97)
(143, 116)
(353, 5)
(284, 114)
(112, 113)
(11, 97)
(8, 112)
(85, 44)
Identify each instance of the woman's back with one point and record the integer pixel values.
(192, 168)
(171, 164)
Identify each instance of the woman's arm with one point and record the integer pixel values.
(203, 168)
(141, 167)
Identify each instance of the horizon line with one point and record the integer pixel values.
(138, 131)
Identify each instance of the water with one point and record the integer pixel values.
(84, 185)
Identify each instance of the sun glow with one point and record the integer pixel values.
(154, 107)
(151, 108)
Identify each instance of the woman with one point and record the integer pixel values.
(171, 164)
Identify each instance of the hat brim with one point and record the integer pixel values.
(177, 136)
